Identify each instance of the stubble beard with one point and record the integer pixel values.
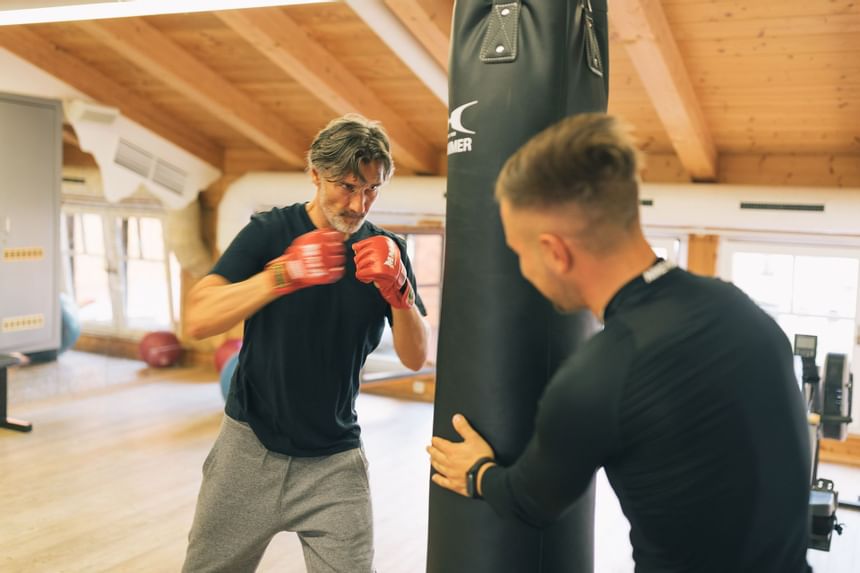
(341, 222)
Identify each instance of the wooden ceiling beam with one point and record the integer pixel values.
(43, 54)
(642, 27)
(403, 44)
(429, 21)
(146, 47)
(283, 41)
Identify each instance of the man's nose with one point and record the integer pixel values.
(358, 203)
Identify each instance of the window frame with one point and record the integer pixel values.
(116, 261)
(404, 231)
(785, 246)
(675, 243)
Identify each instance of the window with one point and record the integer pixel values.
(669, 247)
(807, 290)
(426, 251)
(118, 269)
(146, 296)
(85, 264)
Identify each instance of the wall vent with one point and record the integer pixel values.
(133, 158)
(169, 176)
(646, 202)
(130, 156)
(782, 207)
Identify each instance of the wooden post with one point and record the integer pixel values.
(702, 254)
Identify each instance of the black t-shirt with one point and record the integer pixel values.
(688, 398)
(298, 372)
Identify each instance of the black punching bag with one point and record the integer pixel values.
(516, 68)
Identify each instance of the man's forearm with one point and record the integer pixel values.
(409, 330)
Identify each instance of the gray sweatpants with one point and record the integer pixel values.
(249, 494)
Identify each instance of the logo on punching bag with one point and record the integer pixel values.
(457, 144)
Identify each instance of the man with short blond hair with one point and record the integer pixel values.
(687, 397)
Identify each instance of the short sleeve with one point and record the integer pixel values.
(247, 254)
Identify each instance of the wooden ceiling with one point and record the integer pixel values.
(764, 92)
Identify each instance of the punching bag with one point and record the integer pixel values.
(515, 69)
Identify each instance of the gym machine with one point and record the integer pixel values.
(828, 403)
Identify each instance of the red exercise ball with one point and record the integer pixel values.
(227, 349)
(160, 349)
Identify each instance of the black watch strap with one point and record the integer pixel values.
(472, 477)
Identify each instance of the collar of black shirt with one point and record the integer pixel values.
(637, 288)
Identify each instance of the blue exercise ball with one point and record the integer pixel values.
(71, 324)
(227, 374)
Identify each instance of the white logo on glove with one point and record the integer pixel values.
(310, 265)
(392, 254)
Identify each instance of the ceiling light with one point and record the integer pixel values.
(126, 8)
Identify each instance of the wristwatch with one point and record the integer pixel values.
(472, 477)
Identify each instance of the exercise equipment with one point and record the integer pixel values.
(516, 67)
(227, 349)
(160, 349)
(227, 374)
(828, 400)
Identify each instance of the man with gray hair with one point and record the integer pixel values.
(687, 397)
(313, 282)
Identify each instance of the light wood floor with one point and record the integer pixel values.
(108, 478)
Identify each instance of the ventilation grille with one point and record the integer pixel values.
(782, 207)
(147, 165)
(133, 158)
(169, 176)
(25, 322)
(20, 254)
(646, 202)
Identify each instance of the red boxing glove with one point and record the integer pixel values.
(315, 258)
(377, 260)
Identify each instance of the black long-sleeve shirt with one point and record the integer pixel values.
(688, 398)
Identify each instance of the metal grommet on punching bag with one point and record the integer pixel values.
(516, 67)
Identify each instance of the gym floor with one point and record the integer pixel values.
(108, 478)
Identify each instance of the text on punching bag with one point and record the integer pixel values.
(455, 124)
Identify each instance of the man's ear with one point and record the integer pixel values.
(556, 254)
(315, 177)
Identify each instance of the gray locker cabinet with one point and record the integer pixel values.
(30, 179)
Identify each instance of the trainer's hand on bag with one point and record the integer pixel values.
(315, 258)
(377, 260)
(452, 460)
